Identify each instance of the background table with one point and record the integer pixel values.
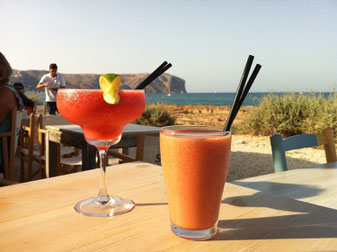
(317, 184)
(72, 135)
(39, 216)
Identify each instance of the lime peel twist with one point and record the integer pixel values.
(110, 84)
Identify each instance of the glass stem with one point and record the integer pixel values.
(103, 195)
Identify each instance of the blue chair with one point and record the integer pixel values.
(279, 146)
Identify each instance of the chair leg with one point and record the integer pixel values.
(30, 168)
(75, 168)
(5, 157)
(42, 169)
(58, 159)
(22, 168)
(279, 157)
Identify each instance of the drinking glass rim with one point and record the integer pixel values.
(194, 130)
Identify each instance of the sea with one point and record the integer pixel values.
(218, 99)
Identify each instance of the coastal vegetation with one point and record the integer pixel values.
(287, 114)
(291, 114)
(156, 115)
(191, 115)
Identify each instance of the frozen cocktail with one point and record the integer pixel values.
(102, 116)
(195, 162)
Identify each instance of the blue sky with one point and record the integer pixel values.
(207, 42)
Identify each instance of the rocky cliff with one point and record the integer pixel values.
(165, 83)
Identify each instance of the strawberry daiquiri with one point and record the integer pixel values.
(195, 162)
(100, 120)
(102, 117)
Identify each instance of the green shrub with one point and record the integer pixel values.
(291, 114)
(155, 115)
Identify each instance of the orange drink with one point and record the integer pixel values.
(195, 162)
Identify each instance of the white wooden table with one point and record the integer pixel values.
(317, 184)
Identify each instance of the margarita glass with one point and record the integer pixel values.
(102, 124)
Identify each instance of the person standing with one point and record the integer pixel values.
(51, 82)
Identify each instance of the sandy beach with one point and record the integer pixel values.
(204, 114)
(251, 155)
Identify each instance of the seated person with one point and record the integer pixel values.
(29, 104)
(9, 99)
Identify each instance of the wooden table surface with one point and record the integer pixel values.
(39, 216)
(73, 135)
(317, 184)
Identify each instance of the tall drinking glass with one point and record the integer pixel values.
(195, 162)
(102, 125)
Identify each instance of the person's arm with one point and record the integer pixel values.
(30, 103)
(26, 101)
(41, 84)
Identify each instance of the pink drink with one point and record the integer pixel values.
(102, 125)
(99, 120)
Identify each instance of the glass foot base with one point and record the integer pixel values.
(96, 208)
(198, 235)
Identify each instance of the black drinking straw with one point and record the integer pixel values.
(141, 85)
(250, 83)
(235, 105)
(158, 73)
(243, 96)
(154, 75)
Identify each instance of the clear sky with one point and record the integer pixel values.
(207, 41)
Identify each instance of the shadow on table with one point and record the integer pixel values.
(152, 204)
(297, 191)
(308, 225)
(259, 200)
(310, 221)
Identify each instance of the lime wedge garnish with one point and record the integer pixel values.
(110, 85)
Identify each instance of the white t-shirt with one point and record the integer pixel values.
(57, 82)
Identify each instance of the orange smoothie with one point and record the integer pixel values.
(195, 164)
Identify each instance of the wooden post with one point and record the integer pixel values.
(140, 147)
(88, 156)
(53, 159)
(330, 147)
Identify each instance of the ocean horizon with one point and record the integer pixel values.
(216, 99)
